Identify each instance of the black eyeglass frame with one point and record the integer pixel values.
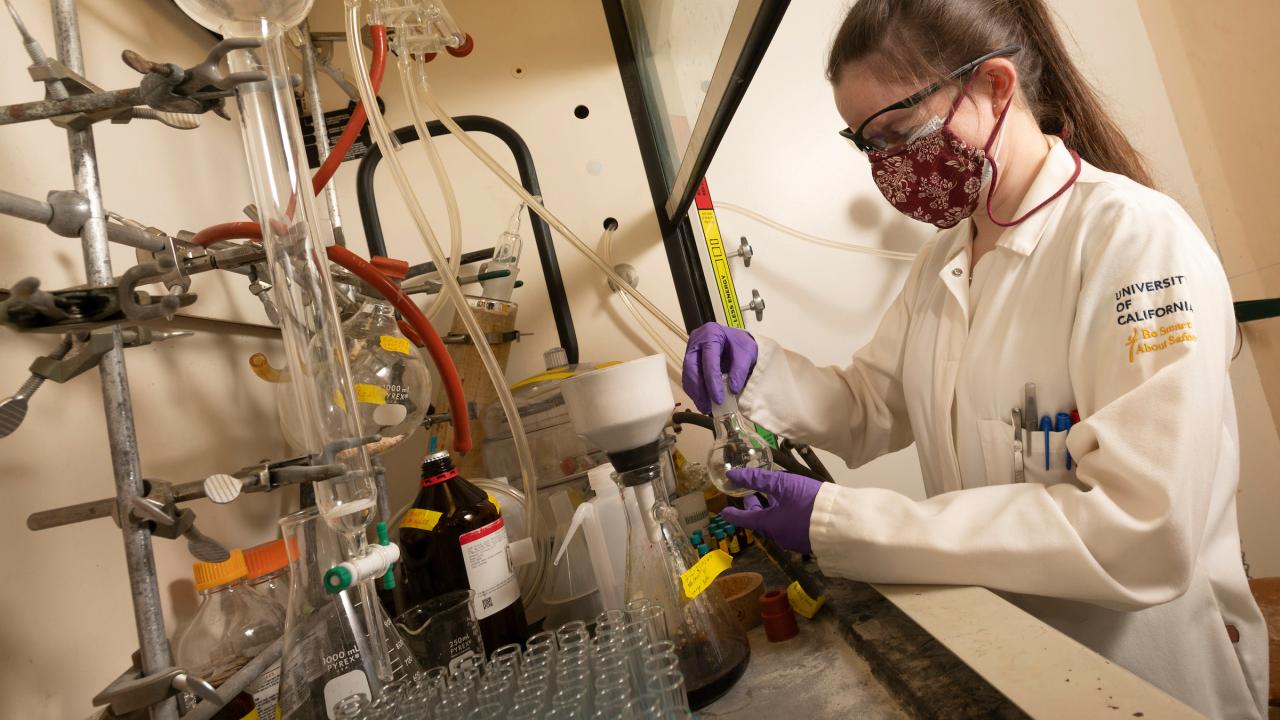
(914, 99)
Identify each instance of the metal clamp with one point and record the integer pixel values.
(756, 305)
(90, 348)
(132, 692)
(197, 89)
(744, 251)
(144, 274)
(493, 338)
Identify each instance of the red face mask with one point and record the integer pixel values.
(935, 178)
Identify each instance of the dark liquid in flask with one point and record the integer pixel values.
(455, 541)
(708, 674)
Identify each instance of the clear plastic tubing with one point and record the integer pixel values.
(605, 250)
(546, 214)
(382, 134)
(295, 236)
(408, 67)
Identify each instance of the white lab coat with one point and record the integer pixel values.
(1134, 552)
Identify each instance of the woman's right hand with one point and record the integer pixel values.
(714, 350)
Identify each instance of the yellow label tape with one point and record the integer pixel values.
(371, 394)
(419, 519)
(802, 603)
(699, 577)
(496, 505)
(391, 343)
(720, 268)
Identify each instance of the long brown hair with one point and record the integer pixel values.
(930, 38)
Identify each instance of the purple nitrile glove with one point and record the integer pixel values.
(786, 520)
(712, 351)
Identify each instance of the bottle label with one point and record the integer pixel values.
(489, 572)
(394, 344)
(344, 686)
(419, 519)
(264, 691)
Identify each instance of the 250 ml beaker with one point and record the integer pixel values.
(327, 642)
(443, 630)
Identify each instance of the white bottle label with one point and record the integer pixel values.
(484, 552)
(264, 691)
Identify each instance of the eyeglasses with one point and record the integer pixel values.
(879, 144)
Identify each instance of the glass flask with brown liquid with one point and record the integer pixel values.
(454, 538)
(711, 645)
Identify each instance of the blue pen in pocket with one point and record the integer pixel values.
(1061, 424)
(1046, 427)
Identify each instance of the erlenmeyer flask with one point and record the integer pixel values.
(712, 647)
(327, 655)
(736, 446)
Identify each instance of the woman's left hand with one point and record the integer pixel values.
(786, 520)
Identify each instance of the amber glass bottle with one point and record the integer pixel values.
(454, 538)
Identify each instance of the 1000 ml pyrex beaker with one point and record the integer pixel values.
(328, 645)
(711, 645)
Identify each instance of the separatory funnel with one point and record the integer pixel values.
(623, 410)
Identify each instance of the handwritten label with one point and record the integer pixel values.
(802, 603)
(391, 343)
(419, 519)
(699, 577)
(371, 394)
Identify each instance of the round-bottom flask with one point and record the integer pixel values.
(327, 643)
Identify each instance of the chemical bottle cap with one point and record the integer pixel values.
(697, 536)
(212, 575)
(266, 558)
(600, 478)
(555, 357)
(779, 619)
(437, 465)
(392, 268)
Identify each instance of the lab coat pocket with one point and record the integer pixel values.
(1057, 472)
(997, 451)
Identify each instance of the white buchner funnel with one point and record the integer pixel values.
(621, 407)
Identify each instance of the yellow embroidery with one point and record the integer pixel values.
(1143, 340)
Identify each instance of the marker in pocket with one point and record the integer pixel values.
(1046, 427)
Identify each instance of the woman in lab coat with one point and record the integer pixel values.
(1058, 265)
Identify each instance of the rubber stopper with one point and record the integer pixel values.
(779, 619)
(338, 578)
(464, 49)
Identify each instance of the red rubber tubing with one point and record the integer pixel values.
(418, 321)
(228, 231)
(358, 117)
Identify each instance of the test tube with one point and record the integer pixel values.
(576, 696)
(525, 711)
(653, 619)
(577, 676)
(576, 630)
(669, 686)
(535, 677)
(488, 711)
(530, 695)
(610, 684)
(663, 662)
(508, 656)
(546, 638)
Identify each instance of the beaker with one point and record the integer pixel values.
(442, 631)
(328, 644)
(711, 646)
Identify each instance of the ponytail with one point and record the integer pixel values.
(936, 36)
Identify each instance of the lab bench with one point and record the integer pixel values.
(923, 652)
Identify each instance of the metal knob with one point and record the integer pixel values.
(744, 251)
(756, 306)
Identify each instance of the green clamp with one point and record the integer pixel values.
(384, 538)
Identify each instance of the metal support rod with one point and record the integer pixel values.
(311, 84)
(236, 684)
(20, 206)
(115, 382)
(93, 102)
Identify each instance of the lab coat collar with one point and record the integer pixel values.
(1057, 169)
